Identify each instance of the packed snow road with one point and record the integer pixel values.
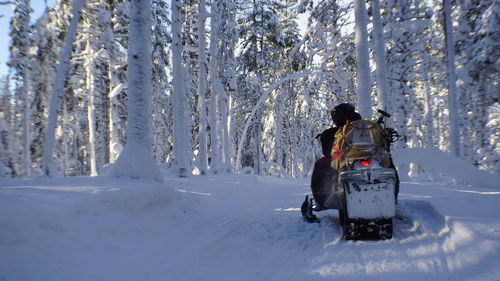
(235, 227)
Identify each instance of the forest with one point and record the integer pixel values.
(235, 86)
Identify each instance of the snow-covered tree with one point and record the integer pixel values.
(181, 141)
(45, 46)
(327, 50)
(363, 78)
(227, 68)
(20, 62)
(215, 92)
(58, 88)
(330, 52)
(452, 78)
(162, 100)
(235, 84)
(261, 47)
(98, 42)
(383, 93)
(116, 42)
(475, 33)
(136, 160)
(400, 63)
(6, 157)
(202, 89)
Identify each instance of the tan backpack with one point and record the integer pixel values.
(360, 139)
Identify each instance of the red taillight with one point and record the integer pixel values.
(365, 163)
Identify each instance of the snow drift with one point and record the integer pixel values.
(442, 162)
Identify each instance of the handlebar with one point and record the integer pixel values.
(383, 114)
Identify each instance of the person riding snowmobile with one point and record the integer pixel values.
(324, 175)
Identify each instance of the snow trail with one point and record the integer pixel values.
(235, 227)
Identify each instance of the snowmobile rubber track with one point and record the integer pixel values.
(363, 229)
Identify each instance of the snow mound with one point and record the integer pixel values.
(51, 205)
(136, 162)
(443, 162)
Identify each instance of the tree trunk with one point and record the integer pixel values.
(136, 160)
(215, 89)
(202, 90)
(225, 124)
(363, 79)
(91, 115)
(452, 77)
(381, 71)
(181, 140)
(27, 121)
(58, 90)
(428, 120)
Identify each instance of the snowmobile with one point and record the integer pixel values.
(361, 185)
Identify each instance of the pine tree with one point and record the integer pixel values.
(6, 159)
(287, 110)
(162, 101)
(20, 62)
(45, 44)
(477, 65)
(259, 59)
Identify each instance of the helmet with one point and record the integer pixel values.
(341, 113)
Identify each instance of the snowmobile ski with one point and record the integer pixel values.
(307, 210)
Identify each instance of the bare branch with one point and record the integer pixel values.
(6, 2)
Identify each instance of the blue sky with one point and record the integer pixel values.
(6, 13)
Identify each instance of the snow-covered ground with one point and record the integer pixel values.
(235, 227)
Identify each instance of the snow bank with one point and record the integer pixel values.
(31, 207)
(443, 162)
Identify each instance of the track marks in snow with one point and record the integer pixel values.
(317, 250)
(416, 218)
(237, 227)
(415, 253)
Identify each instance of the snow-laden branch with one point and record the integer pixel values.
(116, 90)
(261, 101)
